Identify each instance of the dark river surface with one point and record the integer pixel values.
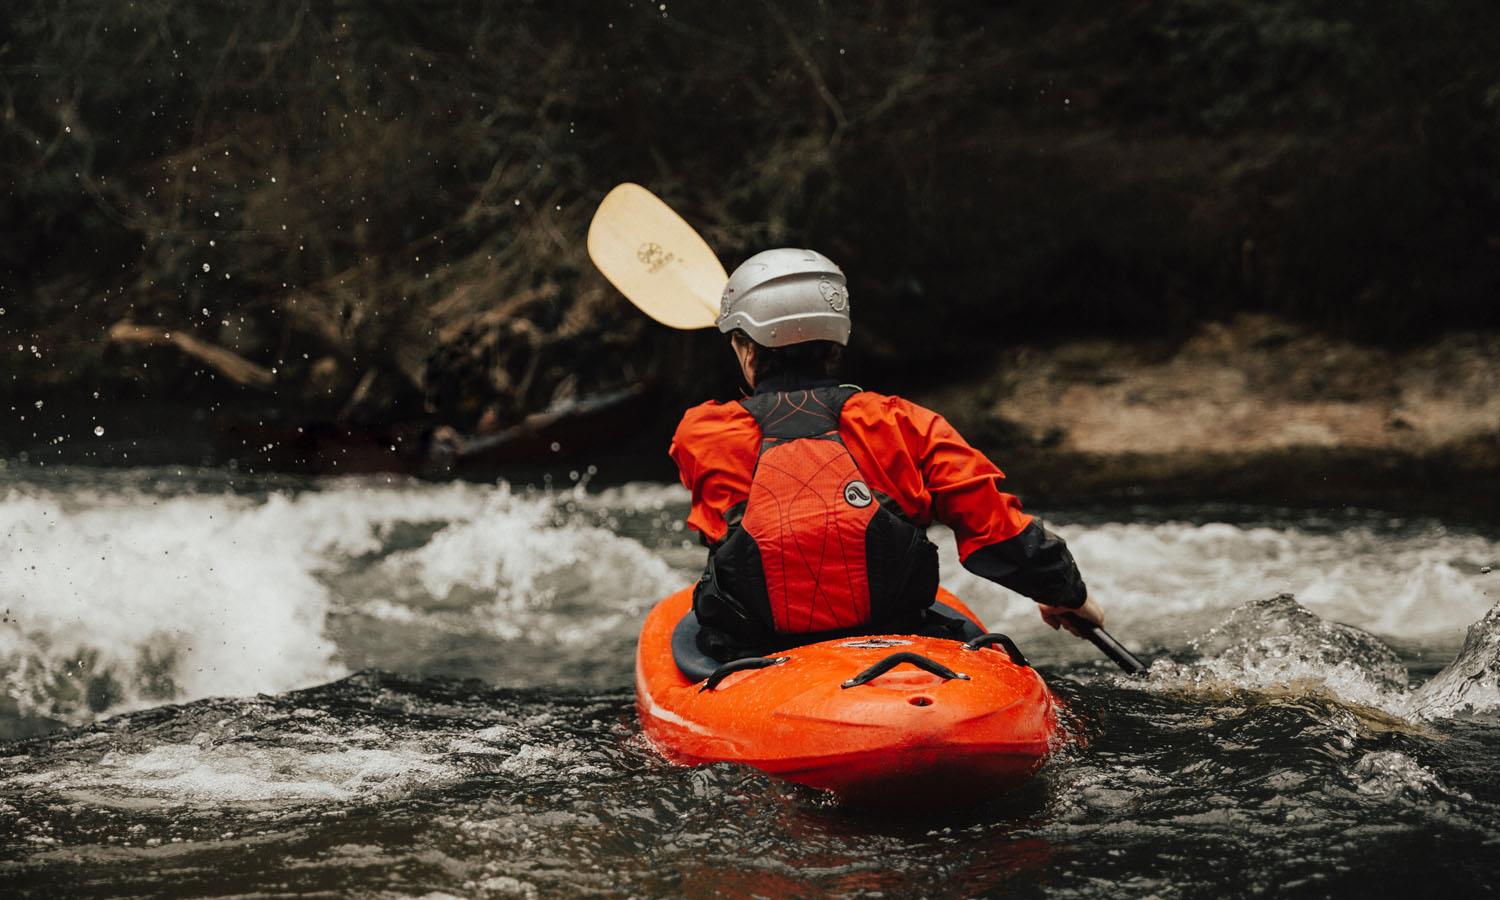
(213, 684)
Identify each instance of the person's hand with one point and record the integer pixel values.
(1058, 616)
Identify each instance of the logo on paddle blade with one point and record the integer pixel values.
(857, 494)
(654, 256)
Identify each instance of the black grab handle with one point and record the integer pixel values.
(896, 659)
(740, 665)
(1011, 650)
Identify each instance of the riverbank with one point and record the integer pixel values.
(1254, 409)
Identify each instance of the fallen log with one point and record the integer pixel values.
(570, 426)
(226, 362)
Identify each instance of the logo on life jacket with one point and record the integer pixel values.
(857, 494)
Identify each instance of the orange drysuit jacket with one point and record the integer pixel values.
(911, 455)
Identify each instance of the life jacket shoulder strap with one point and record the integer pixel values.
(789, 415)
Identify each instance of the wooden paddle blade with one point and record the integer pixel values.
(656, 259)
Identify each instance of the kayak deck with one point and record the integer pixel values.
(948, 723)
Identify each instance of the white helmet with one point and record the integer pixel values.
(786, 296)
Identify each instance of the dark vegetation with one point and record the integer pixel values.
(383, 203)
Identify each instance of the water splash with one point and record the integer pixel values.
(115, 600)
(118, 599)
(220, 590)
(515, 567)
(1278, 632)
(1389, 773)
(1163, 582)
(1277, 644)
(1471, 683)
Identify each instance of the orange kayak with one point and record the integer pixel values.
(887, 720)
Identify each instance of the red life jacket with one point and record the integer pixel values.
(813, 550)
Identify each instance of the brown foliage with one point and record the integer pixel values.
(403, 188)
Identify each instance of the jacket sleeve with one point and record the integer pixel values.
(1035, 563)
(710, 447)
(996, 540)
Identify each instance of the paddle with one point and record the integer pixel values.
(1109, 646)
(656, 259)
(671, 274)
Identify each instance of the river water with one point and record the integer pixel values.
(224, 684)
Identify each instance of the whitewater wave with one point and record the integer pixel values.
(1471, 683)
(117, 599)
(1163, 583)
(510, 567)
(1277, 646)
(125, 588)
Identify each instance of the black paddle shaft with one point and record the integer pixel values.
(1109, 646)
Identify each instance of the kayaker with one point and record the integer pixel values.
(813, 497)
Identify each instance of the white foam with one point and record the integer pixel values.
(639, 495)
(176, 598)
(1388, 773)
(243, 772)
(513, 556)
(1347, 682)
(1278, 647)
(1163, 583)
(187, 596)
(1471, 683)
(198, 594)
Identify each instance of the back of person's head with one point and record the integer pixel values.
(802, 361)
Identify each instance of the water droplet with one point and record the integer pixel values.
(205, 267)
(98, 431)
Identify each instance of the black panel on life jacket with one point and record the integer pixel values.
(788, 415)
